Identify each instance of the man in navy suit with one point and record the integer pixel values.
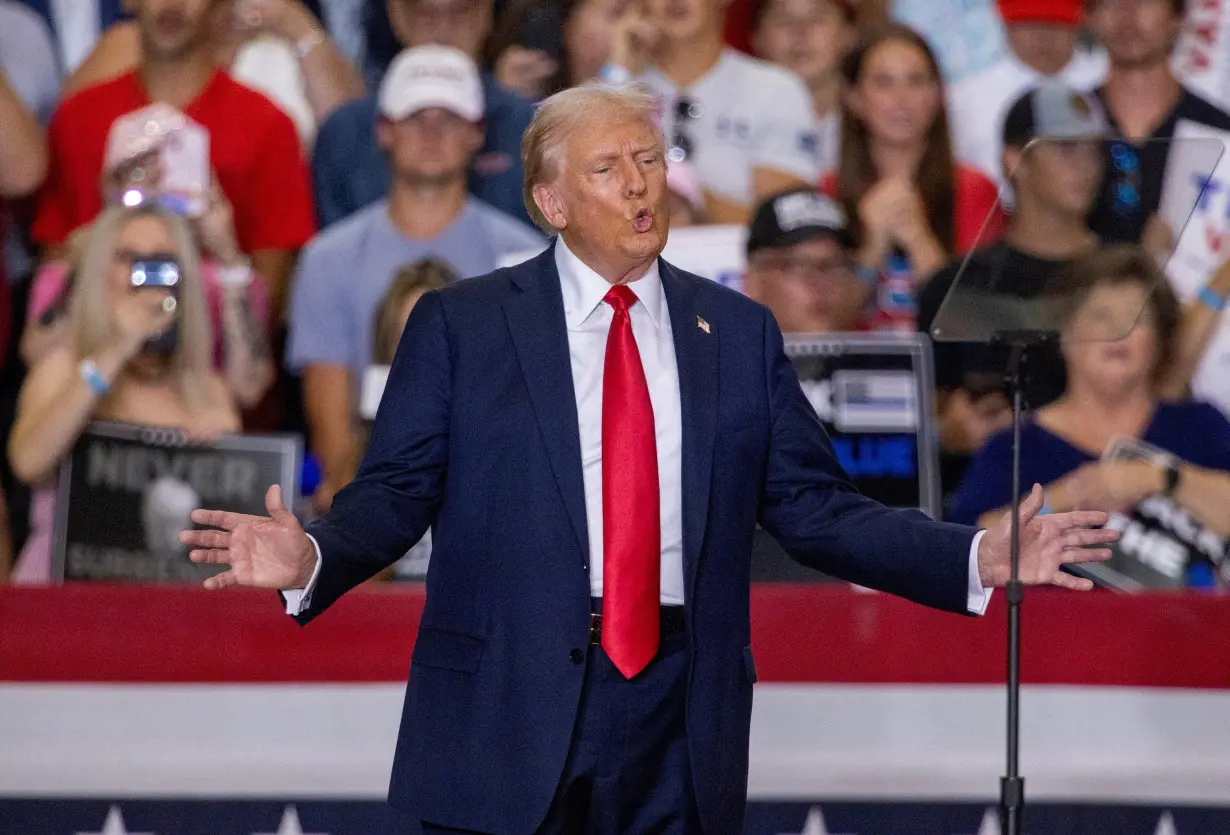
(592, 437)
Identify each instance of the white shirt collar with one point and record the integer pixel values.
(583, 289)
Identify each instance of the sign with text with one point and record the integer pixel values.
(125, 493)
(1161, 544)
(873, 394)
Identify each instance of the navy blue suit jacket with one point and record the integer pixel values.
(477, 438)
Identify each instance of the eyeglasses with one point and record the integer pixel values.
(686, 111)
(1125, 186)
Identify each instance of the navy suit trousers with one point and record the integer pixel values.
(627, 771)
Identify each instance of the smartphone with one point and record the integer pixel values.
(158, 274)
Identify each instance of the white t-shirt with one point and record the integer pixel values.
(752, 115)
(977, 106)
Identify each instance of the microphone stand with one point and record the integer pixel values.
(1012, 784)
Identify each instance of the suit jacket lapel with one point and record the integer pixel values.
(696, 353)
(535, 313)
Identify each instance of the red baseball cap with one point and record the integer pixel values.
(1069, 12)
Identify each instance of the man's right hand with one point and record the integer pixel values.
(265, 552)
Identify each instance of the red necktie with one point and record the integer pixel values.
(631, 523)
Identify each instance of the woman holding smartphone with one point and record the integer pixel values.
(236, 300)
(137, 351)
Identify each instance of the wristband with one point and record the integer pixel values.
(1211, 299)
(239, 275)
(93, 377)
(614, 74)
(304, 46)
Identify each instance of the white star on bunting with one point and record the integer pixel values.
(290, 824)
(814, 825)
(1165, 825)
(114, 825)
(990, 823)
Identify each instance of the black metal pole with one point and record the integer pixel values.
(1012, 785)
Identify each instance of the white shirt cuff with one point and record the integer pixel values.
(978, 598)
(297, 600)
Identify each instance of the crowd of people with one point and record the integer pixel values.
(295, 174)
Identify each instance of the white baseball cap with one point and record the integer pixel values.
(432, 76)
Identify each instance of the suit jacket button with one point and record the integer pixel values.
(576, 656)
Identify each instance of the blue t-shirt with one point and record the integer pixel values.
(345, 271)
(351, 171)
(1196, 432)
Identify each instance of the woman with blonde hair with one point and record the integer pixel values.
(139, 352)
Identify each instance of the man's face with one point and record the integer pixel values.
(1136, 33)
(1047, 47)
(807, 37)
(171, 29)
(463, 24)
(811, 287)
(431, 147)
(685, 20)
(1061, 175)
(609, 198)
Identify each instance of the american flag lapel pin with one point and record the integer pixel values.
(702, 324)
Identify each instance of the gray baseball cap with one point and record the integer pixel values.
(1054, 111)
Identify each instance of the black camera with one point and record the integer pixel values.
(158, 274)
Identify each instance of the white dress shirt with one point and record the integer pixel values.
(588, 320)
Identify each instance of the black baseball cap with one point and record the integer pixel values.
(1054, 111)
(795, 216)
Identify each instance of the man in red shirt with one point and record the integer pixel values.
(253, 146)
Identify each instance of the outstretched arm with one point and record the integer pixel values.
(812, 508)
(375, 519)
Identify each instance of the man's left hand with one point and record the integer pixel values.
(1047, 544)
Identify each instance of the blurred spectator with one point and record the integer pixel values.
(686, 197)
(810, 38)
(910, 205)
(1112, 393)
(1056, 181)
(28, 58)
(274, 46)
(132, 357)
(77, 25)
(745, 124)
(800, 264)
(1144, 101)
(431, 105)
(252, 145)
(237, 301)
(349, 166)
(1043, 43)
(539, 48)
(23, 148)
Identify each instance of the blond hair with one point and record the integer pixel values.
(560, 115)
(92, 323)
(422, 276)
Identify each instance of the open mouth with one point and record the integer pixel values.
(643, 220)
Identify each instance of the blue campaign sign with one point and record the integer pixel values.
(873, 393)
(313, 817)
